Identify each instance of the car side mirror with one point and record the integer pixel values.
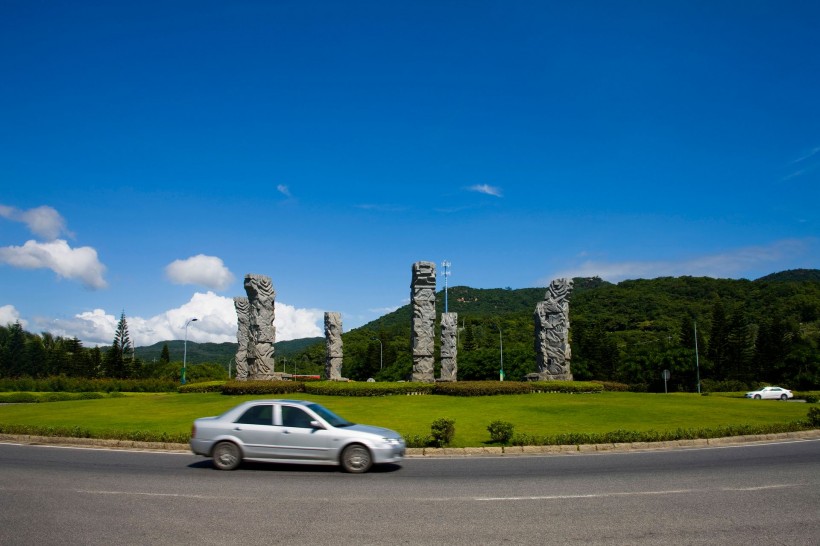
(317, 425)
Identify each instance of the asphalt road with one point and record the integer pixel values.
(733, 495)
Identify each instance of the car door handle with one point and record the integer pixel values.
(286, 431)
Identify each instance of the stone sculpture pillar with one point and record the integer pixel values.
(423, 298)
(449, 347)
(552, 348)
(243, 321)
(333, 346)
(260, 325)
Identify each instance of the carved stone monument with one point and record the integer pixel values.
(423, 298)
(333, 345)
(242, 307)
(262, 333)
(449, 348)
(552, 348)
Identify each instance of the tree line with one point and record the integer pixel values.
(720, 333)
(24, 354)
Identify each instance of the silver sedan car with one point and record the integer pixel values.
(292, 431)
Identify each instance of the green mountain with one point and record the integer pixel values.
(218, 353)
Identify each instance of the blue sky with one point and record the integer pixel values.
(153, 153)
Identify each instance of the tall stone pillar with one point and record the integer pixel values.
(552, 349)
(262, 332)
(333, 346)
(242, 307)
(449, 347)
(423, 298)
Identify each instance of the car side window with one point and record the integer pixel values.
(257, 415)
(295, 417)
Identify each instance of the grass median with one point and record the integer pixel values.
(154, 415)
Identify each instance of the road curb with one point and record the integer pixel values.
(442, 452)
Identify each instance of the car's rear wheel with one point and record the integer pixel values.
(227, 456)
(356, 459)
(783, 397)
(757, 397)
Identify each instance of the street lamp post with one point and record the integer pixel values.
(501, 346)
(697, 359)
(185, 349)
(445, 273)
(381, 352)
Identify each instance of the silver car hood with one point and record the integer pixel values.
(379, 431)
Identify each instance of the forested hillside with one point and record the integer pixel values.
(748, 332)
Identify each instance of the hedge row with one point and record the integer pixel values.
(204, 386)
(34, 397)
(630, 436)
(79, 432)
(345, 388)
(60, 383)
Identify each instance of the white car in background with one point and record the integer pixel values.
(770, 393)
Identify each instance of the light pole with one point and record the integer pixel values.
(185, 349)
(501, 346)
(697, 361)
(381, 352)
(445, 265)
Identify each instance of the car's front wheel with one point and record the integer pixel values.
(783, 397)
(226, 456)
(757, 397)
(356, 459)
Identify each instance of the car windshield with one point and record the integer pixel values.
(329, 416)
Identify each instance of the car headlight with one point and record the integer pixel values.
(391, 441)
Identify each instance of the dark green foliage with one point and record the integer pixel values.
(501, 432)
(165, 355)
(442, 431)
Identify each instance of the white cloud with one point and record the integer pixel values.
(71, 263)
(216, 323)
(207, 271)
(726, 265)
(43, 221)
(10, 315)
(284, 190)
(486, 189)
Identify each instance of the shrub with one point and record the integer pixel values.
(417, 441)
(205, 386)
(501, 432)
(481, 388)
(814, 417)
(613, 386)
(442, 431)
(262, 387)
(353, 388)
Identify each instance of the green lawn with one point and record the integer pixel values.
(535, 414)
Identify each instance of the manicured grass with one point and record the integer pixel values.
(534, 414)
